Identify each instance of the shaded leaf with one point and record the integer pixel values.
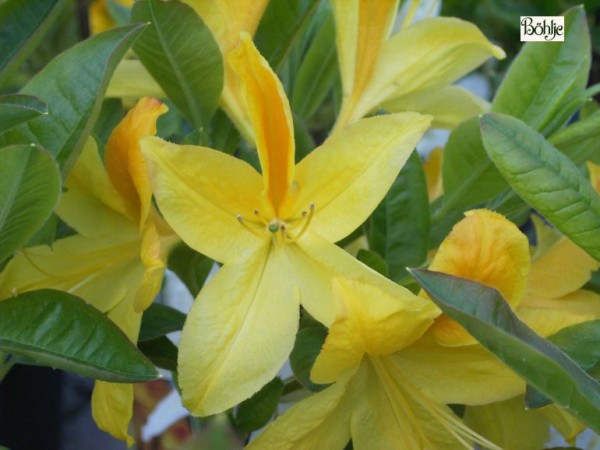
(191, 267)
(373, 260)
(17, 108)
(159, 320)
(256, 411)
(308, 345)
(161, 351)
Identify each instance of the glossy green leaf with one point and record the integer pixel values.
(159, 320)
(489, 318)
(16, 108)
(281, 24)
(29, 189)
(73, 86)
(544, 178)
(60, 330)
(309, 342)
(181, 54)
(255, 412)
(317, 72)
(191, 267)
(546, 76)
(23, 25)
(373, 260)
(399, 228)
(161, 351)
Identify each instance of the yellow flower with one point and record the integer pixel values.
(545, 292)
(409, 71)
(117, 259)
(99, 18)
(594, 170)
(372, 401)
(273, 233)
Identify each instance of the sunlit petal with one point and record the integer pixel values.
(351, 172)
(239, 332)
(201, 192)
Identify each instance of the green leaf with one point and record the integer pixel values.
(308, 345)
(579, 141)
(15, 109)
(489, 318)
(399, 228)
(281, 23)
(373, 260)
(29, 189)
(191, 267)
(161, 351)
(317, 72)
(159, 320)
(73, 86)
(256, 411)
(181, 54)
(546, 76)
(23, 25)
(121, 14)
(60, 330)
(544, 178)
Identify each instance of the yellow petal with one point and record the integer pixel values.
(509, 424)
(321, 421)
(269, 110)
(433, 173)
(99, 18)
(449, 105)
(546, 236)
(369, 321)
(465, 375)
(154, 268)
(428, 54)
(239, 332)
(200, 191)
(91, 205)
(594, 170)
(567, 425)
(131, 80)
(561, 269)
(125, 164)
(488, 248)
(112, 409)
(351, 172)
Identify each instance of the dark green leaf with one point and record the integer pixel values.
(29, 189)
(73, 86)
(60, 330)
(399, 227)
(489, 318)
(181, 54)
(304, 141)
(546, 76)
(308, 345)
(256, 411)
(280, 25)
(544, 178)
(16, 108)
(159, 320)
(373, 260)
(190, 266)
(161, 351)
(23, 25)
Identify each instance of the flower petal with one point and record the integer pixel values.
(594, 170)
(112, 409)
(200, 191)
(351, 172)
(449, 105)
(567, 425)
(433, 173)
(488, 248)
(271, 117)
(125, 164)
(239, 332)
(320, 421)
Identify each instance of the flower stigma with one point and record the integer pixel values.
(277, 228)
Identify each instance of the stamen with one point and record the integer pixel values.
(240, 219)
(308, 217)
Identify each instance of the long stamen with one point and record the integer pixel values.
(240, 219)
(308, 216)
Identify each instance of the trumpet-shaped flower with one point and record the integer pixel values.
(117, 259)
(373, 401)
(273, 232)
(409, 71)
(546, 293)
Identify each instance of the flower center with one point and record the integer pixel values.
(289, 230)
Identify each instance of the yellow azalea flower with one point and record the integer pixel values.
(594, 170)
(273, 233)
(409, 71)
(433, 173)
(99, 17)
(373, 401)
(117, 259)
(546, 293)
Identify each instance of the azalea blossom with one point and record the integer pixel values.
(411, 70)
(117, 260)
(274, 233)
(373, 400)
